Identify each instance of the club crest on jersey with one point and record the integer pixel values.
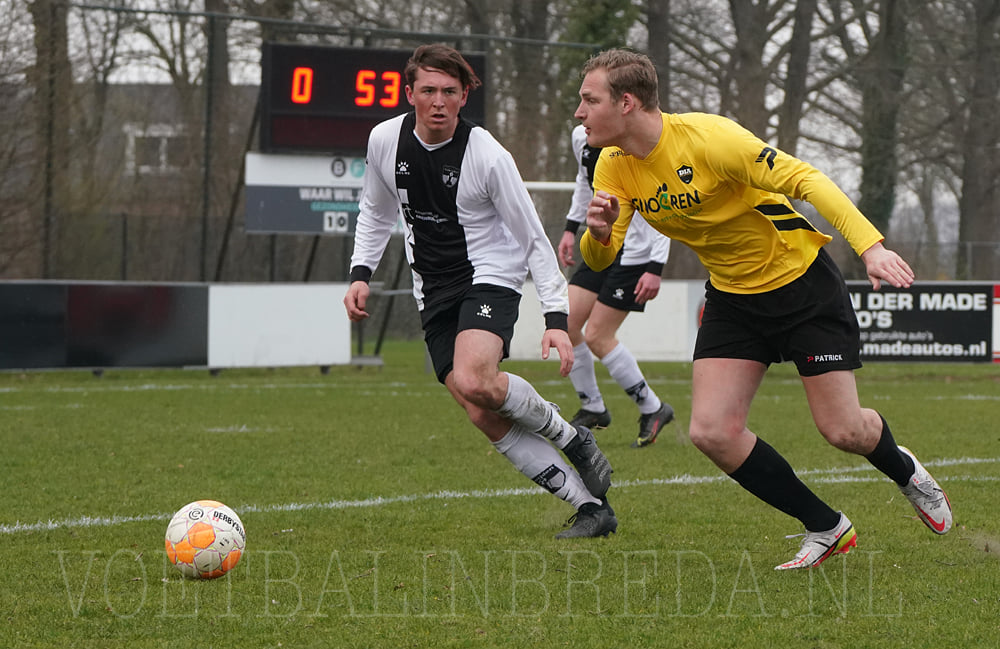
(449, 176)
(685, 173)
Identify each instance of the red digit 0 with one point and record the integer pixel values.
(302, 85)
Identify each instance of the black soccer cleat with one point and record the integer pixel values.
(592, 520)
(590, 462)
(650, 425)
(590, 419)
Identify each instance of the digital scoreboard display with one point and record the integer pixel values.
(324, 99)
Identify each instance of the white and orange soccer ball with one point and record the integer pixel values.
(205, 539)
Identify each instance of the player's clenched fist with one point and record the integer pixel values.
(601, 215)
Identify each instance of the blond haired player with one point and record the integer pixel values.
(773, 293)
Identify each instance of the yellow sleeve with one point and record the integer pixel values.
(756, 164)
(598, 255)
(831, 202)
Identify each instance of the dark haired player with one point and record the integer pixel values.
(472, 235)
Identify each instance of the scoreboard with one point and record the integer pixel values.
(325, 99)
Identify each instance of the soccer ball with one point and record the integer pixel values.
(205, 539)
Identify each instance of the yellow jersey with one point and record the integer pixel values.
(714, 186)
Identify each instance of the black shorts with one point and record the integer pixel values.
(810, 322)
(615, 285)
(484, 306)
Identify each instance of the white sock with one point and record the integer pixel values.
(536, 458)
(625, 370)
(584, 379)
(526, 407)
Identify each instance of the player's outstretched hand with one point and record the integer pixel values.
(883, 264)
(355, 301)
(558, 339)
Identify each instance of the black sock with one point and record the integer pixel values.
(768, 476)
(888, 459)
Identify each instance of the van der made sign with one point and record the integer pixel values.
(929, 321)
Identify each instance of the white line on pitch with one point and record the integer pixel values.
(828, 476)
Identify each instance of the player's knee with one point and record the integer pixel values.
(706, 438)
(700, 439)
(465, 383)
(599, 343)
(844, 438)
(471, 387)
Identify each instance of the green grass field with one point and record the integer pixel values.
(376, 516)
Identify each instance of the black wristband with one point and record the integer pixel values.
(361, 274)
(557, 320)
(572, 226)
(654, 267)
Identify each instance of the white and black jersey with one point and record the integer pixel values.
(643, 245)
(467, 214)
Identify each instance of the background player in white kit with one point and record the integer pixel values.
(472, 235)
(602, 299)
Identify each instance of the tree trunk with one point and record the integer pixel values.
(216, 174)
(881, 78)
(790, 113)
(749, 77)
(52, 81)
(979, 205)
(658, 27)
(530, 127)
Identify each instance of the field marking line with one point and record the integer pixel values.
(823, 476)
(340, 385)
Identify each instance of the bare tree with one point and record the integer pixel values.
(836, 79)
(734, 58)
(750, 79)
(174, 42)
(52, 83)
(796, 84)
(948, 137)
(528, 81)
(660, 38)
(880, 75)
(21, 176)
(980, 201)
